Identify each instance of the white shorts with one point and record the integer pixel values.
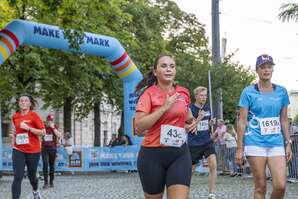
(264, 151)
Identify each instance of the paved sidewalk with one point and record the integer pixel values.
(127, 186)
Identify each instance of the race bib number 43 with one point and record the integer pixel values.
(172, 136)
(22, 138)
(270, 126)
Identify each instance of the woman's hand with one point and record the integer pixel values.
(239, 156)
(288, 152)
(24, 126)
(170, 101)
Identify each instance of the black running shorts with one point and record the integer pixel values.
(160, 166)
(198, 152)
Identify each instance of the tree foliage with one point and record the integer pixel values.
(288, 12)
(146, 28)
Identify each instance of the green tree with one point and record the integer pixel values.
(79, 82)
(66, 78)
(289, 11)
(232, 79)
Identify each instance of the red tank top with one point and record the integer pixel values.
(50, 139)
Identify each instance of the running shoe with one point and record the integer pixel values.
(212, 196)
(45, 186)
(36, 195)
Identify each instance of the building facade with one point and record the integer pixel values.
(293, 107)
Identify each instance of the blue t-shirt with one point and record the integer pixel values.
(203, 134)
(263, 128)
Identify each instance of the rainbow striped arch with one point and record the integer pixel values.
(20, 32)
(9, 43)
(123, 66)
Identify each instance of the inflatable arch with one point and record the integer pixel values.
(20, 32)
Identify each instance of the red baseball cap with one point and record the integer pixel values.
(50, 117)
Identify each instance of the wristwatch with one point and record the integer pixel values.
(289, 141)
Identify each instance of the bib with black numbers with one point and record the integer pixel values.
(270, 125)
(48, 137)
(203, 125)
(172, 136)
(22, 138)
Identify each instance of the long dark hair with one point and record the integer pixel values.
(31, 99)
(150, 78)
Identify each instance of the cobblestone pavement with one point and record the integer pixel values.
(127, 186)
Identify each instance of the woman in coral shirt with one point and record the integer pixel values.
(161, 115)
(28, 127)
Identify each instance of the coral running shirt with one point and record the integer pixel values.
(152, 99)
(26, 141)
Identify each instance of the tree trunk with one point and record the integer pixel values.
(67, 115)
(121, 128)
(97, 130)
(5, 123)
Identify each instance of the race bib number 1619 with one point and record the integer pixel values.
(270, 126)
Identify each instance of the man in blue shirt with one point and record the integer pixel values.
(200, 143)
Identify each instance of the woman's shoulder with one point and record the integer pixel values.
(182, 89)
(280, 88)
(34, 114)
(16, 114)
(178, 87)
(150, 89)
(249, 88)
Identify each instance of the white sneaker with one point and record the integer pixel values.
(36, 195)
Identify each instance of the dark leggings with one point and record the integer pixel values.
(160, 166)
(20, 159)
(48, 159)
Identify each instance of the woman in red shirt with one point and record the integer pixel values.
(161, 115)
(28, 127)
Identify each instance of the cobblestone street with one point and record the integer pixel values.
(127, 186)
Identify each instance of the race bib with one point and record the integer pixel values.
(172, 136)
(48, 137)
(270, 125)
(203, 125)
(22, 138)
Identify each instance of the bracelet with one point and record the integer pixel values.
(289, 141)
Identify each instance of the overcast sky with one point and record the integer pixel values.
(253, 28)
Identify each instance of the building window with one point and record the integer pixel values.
(105, 138)
(114, 127)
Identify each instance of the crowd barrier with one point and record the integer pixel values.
(125, 158)
(226, 161)
(90, 159)
(87, 159)
(293, 164)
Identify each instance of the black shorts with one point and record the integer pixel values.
(160, 166)
(200, 152)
